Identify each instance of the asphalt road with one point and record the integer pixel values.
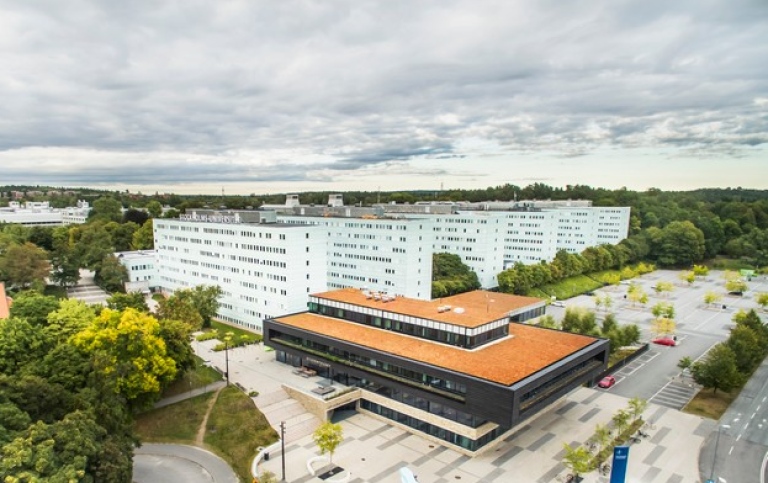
(178, 463)
(743, 444)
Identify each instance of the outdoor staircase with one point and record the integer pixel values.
(278, 406)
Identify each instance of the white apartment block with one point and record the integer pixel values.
(40, 213)
(579, 228)
(379, 254)
(265, 269)
(476, 237)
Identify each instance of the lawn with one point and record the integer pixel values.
(201, 376)
(236, 429)
(567, 288)
(177, 423)
(237, 332)
(709, 404)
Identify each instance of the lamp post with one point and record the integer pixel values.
(226, 356)
(717, 442)
(282, 446)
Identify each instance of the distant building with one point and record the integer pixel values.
(40, 213)
(461, 371)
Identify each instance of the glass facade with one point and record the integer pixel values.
(385, 369)
(431, 429)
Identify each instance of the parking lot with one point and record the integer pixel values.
(655, 375)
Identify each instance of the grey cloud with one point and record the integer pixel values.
(361, 84)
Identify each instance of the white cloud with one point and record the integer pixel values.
(335, 93)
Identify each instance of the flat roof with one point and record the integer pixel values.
(506, 361)
(5, 304)
(475, 308)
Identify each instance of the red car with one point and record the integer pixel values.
(606, 382)
(668, 341)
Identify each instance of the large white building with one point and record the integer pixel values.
(379, 254)
(264, 268)
(40, 213)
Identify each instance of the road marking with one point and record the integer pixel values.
(730, 451)
(752, 417)
(738, 437)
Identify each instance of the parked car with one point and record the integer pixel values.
(607, 382)
(668, 341)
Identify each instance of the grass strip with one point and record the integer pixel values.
(236, 429)
(177, 423)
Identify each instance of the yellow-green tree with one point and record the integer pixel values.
(762, 299)
(328, 436)
(711, 297)
(128, 350)
(687, 277)
(577, 459)
(700, 270)
(662, 287)
(662, 326)
(736, 285)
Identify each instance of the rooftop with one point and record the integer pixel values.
(509, 360)
(470, 309)
(5, 303)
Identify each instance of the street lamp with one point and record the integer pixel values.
(282, 446)
(226, 355)
(714, 456)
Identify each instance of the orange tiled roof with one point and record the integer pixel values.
(479, 306)
(505, 362)
(5, 303)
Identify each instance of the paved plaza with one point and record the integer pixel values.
(374, 450)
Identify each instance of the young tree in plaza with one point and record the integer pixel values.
(687, 277)
(577, 459)
(712, 297)
(328, 436)
(736, 285)
(663, 287)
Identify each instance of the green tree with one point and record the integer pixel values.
(687, 277)
(328, 436)
(663, 287)
(762, 299)
(685, 363)
(663, 309)
(34, 307)
(155, 209)
(106, 209)
(20, 344)
(580, 321)
(679, 243)
(450, 275)
(122, 301)
(637, 407)
(23, 265)
(745, 344)
(577, 459)
(700, 270)
(718, 370)
(68, 319)
(57, 452)
(205, 298)
(143, 238)
(128, 349)
(548, 322)
(179, 307)
(736, 286)
(620, 420)
(601, 436)
(111, 275)
(712, 298)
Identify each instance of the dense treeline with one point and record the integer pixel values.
(73, 376)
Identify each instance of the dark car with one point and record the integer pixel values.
(607, 382)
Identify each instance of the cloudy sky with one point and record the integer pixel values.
(269, 96)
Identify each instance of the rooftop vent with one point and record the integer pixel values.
(459, 310)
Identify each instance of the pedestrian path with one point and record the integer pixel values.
(213, 387)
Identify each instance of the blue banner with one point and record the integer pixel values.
(619, 466)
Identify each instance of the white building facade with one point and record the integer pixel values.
(264, 269)
(379, 254)
(141, 268)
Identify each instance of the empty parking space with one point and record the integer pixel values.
(676, 393)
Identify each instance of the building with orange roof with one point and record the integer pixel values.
(462, 370)
(5, 303)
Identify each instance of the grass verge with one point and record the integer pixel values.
(177, 423)
(201, 376)
(236, 428)
(709, 404)
(569, 287)
(237, 332)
